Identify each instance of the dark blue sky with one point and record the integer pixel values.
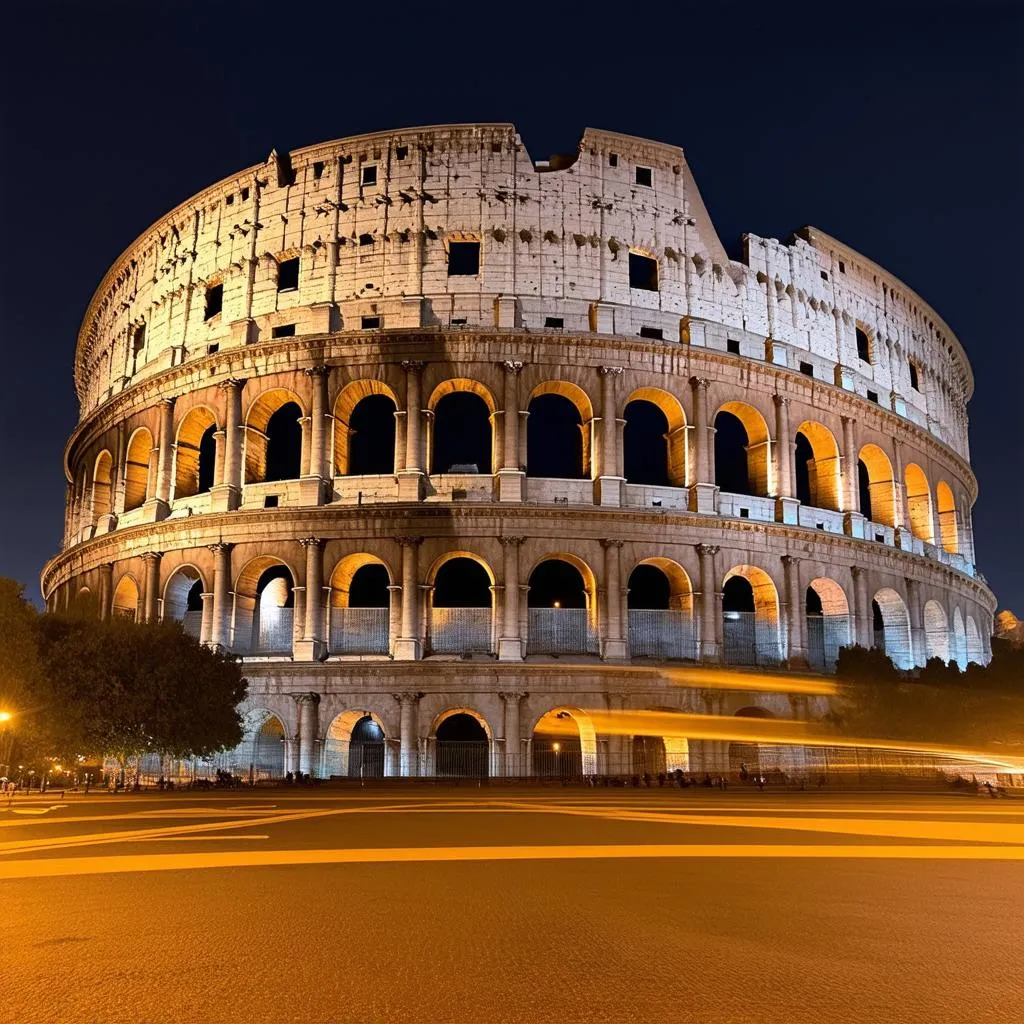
(897, 128)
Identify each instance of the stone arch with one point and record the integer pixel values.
(125, 602)
(265, 607)
(344, 573)
(919, 503)
(102, 485)
(461, 611)
(261, 754)
(564, 744)
(136, 469)
(461, 738)
(751, 626)
(352, 751)
(654, 453)
(958, 636)
(359, 605)
(273, 437)
(562, 606)
(183, 599)
(975, 648)
(195, 453)
(949, 534)
(460, 426)
(828, 622)
(364, 428)
(818, 473)
(877, 485)
(892, 627)
(742, 450)
(660, 608)
(558, 439)
(936, 631)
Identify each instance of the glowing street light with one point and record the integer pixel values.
(5, 716)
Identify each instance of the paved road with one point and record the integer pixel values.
(501, 905)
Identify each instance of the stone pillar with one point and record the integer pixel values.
(853, 521)
(313, 485)
(610, 480)
(914, 607)
(226, 494)
(164, 455)
(510, 642)
(614, 646)
(796, 620)
(860, 625)
(510, 475)
(409, 750)
(410, 479)
(312, 646)
(220, 630)
(708, 602)
(514, 762)
(786, 503)
(702, 458)
(206, 623)
(106, 595)
(407, 646)
(308, 754)
(151, 587)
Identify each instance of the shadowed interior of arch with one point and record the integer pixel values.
(195, 453)
(558, 432)
(876, 485)
(461, 433)
(654, 439)
(817, 466)
(136, 470)
(273, 438)
(742, 454)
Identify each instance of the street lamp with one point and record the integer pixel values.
(6, 742)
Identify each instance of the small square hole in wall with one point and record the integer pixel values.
(819, 526)
(863, 345)
(245, 195)
(880, 538)
(214, 301)
(229, 200)
(824, 276)
(270, 500)
(366, 239)
(368, 175)
(495, 147)
(644, 176)
(652, 332)
(318, 170)
(283, 331)
(873, 397)
(401, 152)
(807, 369)
(288, 275)
(463, 259)
(459, 321)
(744, 513)
(369, 323)
(643, 272)
(732, 345)
(613, 159)
(554, 321)
(211, 349)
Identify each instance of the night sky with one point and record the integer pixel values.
(895, 128)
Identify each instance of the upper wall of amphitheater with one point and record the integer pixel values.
(372, 221)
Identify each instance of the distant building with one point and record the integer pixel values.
(453, 446)
(1009, 627)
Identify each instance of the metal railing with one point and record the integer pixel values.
(274, 632)
(460, 630)
(659, 633)
(826, 634)
(749, 640)
(561, 631)
(359, 631)
(192, 623)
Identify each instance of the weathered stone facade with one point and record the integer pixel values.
(415, 265)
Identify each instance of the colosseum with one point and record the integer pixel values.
(458, 450)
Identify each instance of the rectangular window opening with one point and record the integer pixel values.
(873, 397)
(370, 323)
(554, 321)
(732, 345)
(643, 272)
(368, 175)
(915, 380)
(283, 331)
(463, 259)
(863, 345)
(824, 276)
(652, 332)
(245, 195)
(842, 267)
(366, 239)
(807, 369)
(495, 147)
(318, 170)
(744, 513)
(401, 152)
(288, 275)
(214, 301)
(613, 159)
(229, 200)
(645, 177)
(139, 339)
(213, 348)
(270, 500)
(458, 321)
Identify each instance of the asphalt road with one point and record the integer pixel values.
(499, 905)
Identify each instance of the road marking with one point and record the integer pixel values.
(24, 869)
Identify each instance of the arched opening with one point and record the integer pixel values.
(828, 623)
(261, 754)
(660, 603)
(817, 466)
(936, 631)
(264, 608)
(195, 453)
(461, 606)
(751, 633)
(126, 599)
(654, 439)
(183, 600)
(273, 438)
(462, 746)
(561, 609)
(136, 469)
(558, 432)
(975, 649)
(360, 606)
(959, 650)
(564, 745)
(891, 625)
(747, 758)
(461, 433)
(364, 429)
(948, 532)
(741, 450)
(102, 504)
(876, 485)
(648, 755)
(355, 747)
(919, 503)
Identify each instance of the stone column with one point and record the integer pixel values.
(702, 459)
(407, 646)
(409, 750)
(164, 455)
(510, 642)
(308, 754)
(860, 625)
(220, 630)
(514, 764)
(786, 503)
(610, 481)
(708, 602)
(206, 622)
(853, 521)
(510, 475)
(614, 646)
(796, 621)
(151, 592)
(410, 479)
(312, 646)
(106, 595)
(312, 486)
(226, 494)
(914, 607)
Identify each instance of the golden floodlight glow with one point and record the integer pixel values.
(5, 716)
(735, 679)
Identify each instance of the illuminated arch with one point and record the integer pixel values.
(680, 587)
(975, 648)
(919, 503)
(880, 485)
(366, 626)
(756, 638)
(581, 443)
(823, 476)
(936, 631)
(344, 408)
(102, 479)
(573, 392)
(449, 555)
(572, 730)
(193, 458)
(660, 610)
(257, 422)
(894, 636)
(179, 603)
(264, 606)
(450, 387)
(458, 432)
(460, 757)
(958, 653)
(261, 754)
(829, 629)
(675, 436)
(949, 534)
(126, 598)
(757, 448)
(344, 572)
(335, 760)
(136, 469)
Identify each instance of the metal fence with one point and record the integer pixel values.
(464, 759)
(274, 634)
(460, 630)
(656, 633)
(826, 634)
(560, 631)
(749, 640)
(359, 631)
(192, 623)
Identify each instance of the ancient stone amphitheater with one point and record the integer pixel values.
(458, 449)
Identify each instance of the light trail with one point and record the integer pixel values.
(737, 679)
